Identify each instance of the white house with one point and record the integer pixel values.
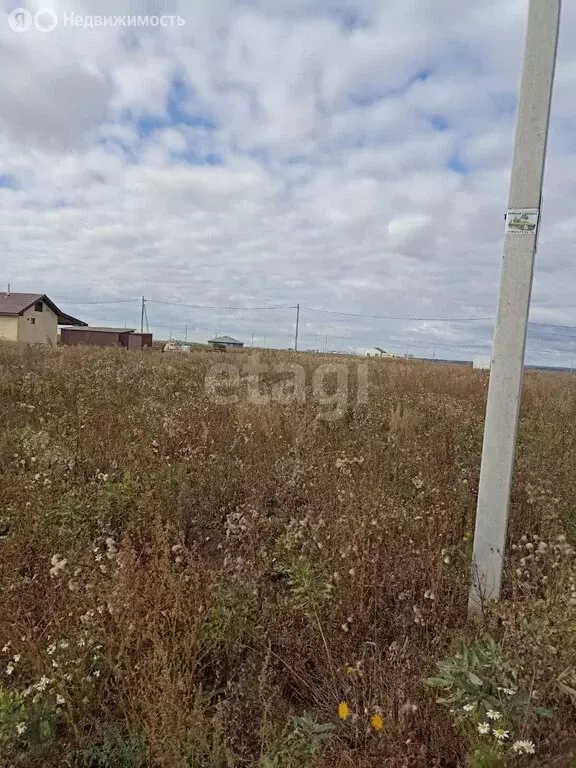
(31, 318)
(481, 361)
(377, 352)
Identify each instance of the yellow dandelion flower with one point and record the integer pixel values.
(376, 722)
(343, 711)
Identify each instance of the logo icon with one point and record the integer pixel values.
(45, 20)
(20, 20)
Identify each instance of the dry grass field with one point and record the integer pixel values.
(193, 584)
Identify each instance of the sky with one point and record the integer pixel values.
(350, 156)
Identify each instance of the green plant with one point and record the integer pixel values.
(485, 756)
(26, 721)
(71, 516)
(308, 587)
(484, 697)
(116, 500)
(115, 749)
(225, 621)
(300, 744)
(11, 715)
(478, 676)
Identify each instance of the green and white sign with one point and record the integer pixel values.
(522, 221)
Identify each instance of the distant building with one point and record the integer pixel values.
(481, 361)
(225, 342)
(377, 352)
(140, 341)
(105, 337)
(31, 318)
(176, 346)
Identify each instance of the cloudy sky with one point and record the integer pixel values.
(352, 156)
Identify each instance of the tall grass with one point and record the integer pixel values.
(193, 584)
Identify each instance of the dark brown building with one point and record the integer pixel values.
(139, 340)
(105, 337)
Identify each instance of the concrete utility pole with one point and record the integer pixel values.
(297, 326)
(142, 315)
(522, 225)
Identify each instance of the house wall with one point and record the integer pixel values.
(9, 328)
(42, 331)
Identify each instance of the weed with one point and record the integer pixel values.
(300, 744)
(309, 589)
(28, 720)
(181, 580)
(115, 749)
(485, 756)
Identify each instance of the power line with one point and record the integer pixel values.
(536, 341)
(425, 319)
(390, 317)
(86, 303)
(552, 325)
(204, 306)
(413, 318)
(564, 336)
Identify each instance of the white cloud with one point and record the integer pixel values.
(344, 154)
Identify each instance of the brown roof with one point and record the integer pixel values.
(17, 303)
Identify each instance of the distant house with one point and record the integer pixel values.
(225, 342)
(105, 337)
(377, 352)
(481, 361)
(31, 318)
(176, 346)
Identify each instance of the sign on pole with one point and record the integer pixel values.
(522, 224)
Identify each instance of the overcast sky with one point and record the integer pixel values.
(349, 155)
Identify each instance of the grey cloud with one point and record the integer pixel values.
(332, 184)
